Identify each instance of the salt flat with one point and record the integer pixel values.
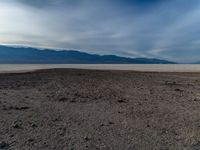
(14, 68)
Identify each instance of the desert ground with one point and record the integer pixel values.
(74, 109)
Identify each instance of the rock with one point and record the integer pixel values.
(12, 135)
(17, 124)
(62, 131)
(33, 125)
(110, 122)
(170, 83)
(196, 99)
(196, 146)
(102, 125)
(15, 108)
(63, 99)
(30, 140)
(121, 101)
(174, 83)
(178, 90)
(164, 131)
(77, 94)
(57, 119)
(72, 101)
(87, 138)
(22, 108)
(3, 145)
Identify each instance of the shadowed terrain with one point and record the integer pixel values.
(87, 109)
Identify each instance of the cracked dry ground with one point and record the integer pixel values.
(68, 109)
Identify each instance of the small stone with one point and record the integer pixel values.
(196, 146)
(164, 131)
(63, 99)
(110, 122)
(30, 140)
(121, 101)
(87, 138)
(170, 83)
(72, 101)
(102, 125)
(17, 124)
(12, 135)
(178, 90)
(33, 125)
(22, 108)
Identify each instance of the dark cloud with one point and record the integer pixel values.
(143, 2)
(135, 3)
(37, 3)
(48, 3)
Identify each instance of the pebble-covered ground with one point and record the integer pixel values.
(68, 109)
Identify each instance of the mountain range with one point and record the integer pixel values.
(27, 55)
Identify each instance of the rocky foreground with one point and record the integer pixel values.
(66, 109)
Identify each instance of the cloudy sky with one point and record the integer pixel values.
(167, 29)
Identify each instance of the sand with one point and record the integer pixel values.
(69, 109)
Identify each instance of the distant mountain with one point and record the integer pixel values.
(198, 62)
(11, 55)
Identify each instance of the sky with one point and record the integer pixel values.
(165, 29)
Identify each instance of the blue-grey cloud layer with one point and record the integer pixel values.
(166, 29)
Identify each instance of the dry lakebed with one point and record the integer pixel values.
(78, 109)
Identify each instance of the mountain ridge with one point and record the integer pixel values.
(28, 55)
